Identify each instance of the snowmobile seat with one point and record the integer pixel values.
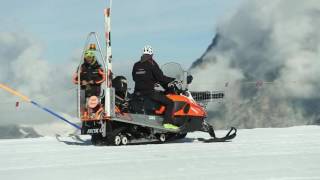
(136, 104)
(150, 106)
(142, 105)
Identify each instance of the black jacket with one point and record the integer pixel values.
(146, 73)
(90, 72)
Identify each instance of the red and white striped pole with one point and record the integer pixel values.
(108, 58)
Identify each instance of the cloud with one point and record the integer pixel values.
(24, 69)
(273, 41)
(50, 84)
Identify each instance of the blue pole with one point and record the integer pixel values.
(27, 99)
(55, 114)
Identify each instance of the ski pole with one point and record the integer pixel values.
(27, 99)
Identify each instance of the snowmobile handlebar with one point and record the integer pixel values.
(175, 87)
(175, 83)
(172, 87)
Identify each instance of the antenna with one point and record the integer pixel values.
(109, 99)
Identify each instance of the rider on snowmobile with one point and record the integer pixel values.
(146, 74)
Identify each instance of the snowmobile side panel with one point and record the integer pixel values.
(193, 110)
(143, 120)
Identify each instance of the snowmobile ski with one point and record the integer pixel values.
(230, 135)
(71, 139)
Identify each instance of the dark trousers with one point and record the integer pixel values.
(168, 103)
(91, 90)
(88, 91)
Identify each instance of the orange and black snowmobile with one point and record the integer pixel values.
(115, 117)
(137, 118)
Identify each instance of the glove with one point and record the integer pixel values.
(173, 83)
(84, 82)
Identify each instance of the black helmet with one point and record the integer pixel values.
(120, 85)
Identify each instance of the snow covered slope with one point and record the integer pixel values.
(257, 154)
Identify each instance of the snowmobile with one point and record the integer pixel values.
(138, 119)
(117, 117)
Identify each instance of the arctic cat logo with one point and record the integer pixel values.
(93, 131)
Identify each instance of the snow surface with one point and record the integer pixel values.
(257, 154)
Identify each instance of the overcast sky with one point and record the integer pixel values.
(41, 43)
(179, 29)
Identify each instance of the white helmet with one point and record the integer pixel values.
(147, 50)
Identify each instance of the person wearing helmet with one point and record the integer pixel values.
(91, 75)
(146, 73)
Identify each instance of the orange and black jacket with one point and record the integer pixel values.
(90, 72)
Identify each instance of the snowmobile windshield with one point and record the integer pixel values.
(173, 70)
